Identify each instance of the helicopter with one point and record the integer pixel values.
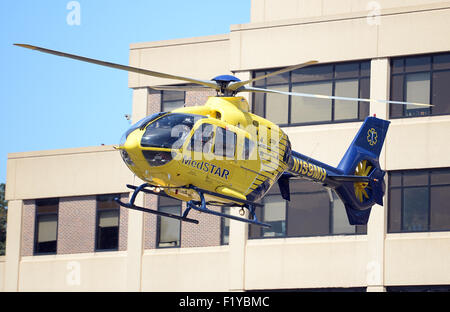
(220, 154)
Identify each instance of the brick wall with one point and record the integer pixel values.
(198, 98)
(205, 233)
(123, 224)
(153, 102)
(151, 202)
(29, 211)
(76, 225)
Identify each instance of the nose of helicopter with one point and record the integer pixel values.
(126, 145)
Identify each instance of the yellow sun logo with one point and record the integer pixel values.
(372, 136)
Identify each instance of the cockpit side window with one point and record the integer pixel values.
(202, 139)
(169, 131)
(225, 143)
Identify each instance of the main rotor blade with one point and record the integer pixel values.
(329, 97)
(210, 84)
(180, 88)
(237, 85)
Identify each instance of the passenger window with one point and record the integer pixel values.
(225, 143)
(201, 141)
(248, 148)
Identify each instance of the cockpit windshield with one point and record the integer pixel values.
(139, 124)
(170, 131)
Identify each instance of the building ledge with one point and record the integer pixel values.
(337, 17)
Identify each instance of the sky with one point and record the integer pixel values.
(48, 102)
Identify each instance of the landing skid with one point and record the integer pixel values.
(196, 205)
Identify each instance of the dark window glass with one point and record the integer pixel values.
(277, 79)
(261, 82)
(107, 223)
(441, 93)
(397, 95)
(415, 178)
(398, 66)
(441, 62)
(419, 200)
(225, 143)
(395, 216)
(348, 70)
(415, 209)
(249, 145)
(440, 207)
(417, 64)
(169, 229)
(312, 211)
(313, 73)
(364, 93)
(202, 139)
(258, 103)
(440, 177)
(46, 228)
(309, 214)
(422, 79)
(169, 131)
(395, 179)
(225, 227)
(350, 79)
(365, 69)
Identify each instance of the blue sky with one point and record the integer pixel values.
(48, 102)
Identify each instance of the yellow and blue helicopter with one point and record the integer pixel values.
(220, 154)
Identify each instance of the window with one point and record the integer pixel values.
(312, 211)
(343, 79)
(169, 229)
(225, 143)
(171, 100)
(202, 141)
(419, 200)
(420, 79)
(225, 227)
(249, 145)
(108, 212)
(169, 131)
(46, 227)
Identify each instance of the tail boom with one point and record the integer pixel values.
(358, 179)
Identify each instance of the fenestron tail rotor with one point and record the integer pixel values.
(224, 85)
(363, 168)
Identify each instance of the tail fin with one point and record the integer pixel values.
(362, 159)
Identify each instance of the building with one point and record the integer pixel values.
(71, 237)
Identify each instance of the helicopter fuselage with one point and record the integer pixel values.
(220, 147)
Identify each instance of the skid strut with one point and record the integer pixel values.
(131, 205)
(200, 206)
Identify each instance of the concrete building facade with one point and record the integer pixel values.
(400, 45)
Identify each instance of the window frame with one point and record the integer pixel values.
(429, 186)
(225, 210)
(36, 228)
(361, 76)
(224, 155)
(404, 73)
(162, 102)
(158, 225)
(97, 223)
